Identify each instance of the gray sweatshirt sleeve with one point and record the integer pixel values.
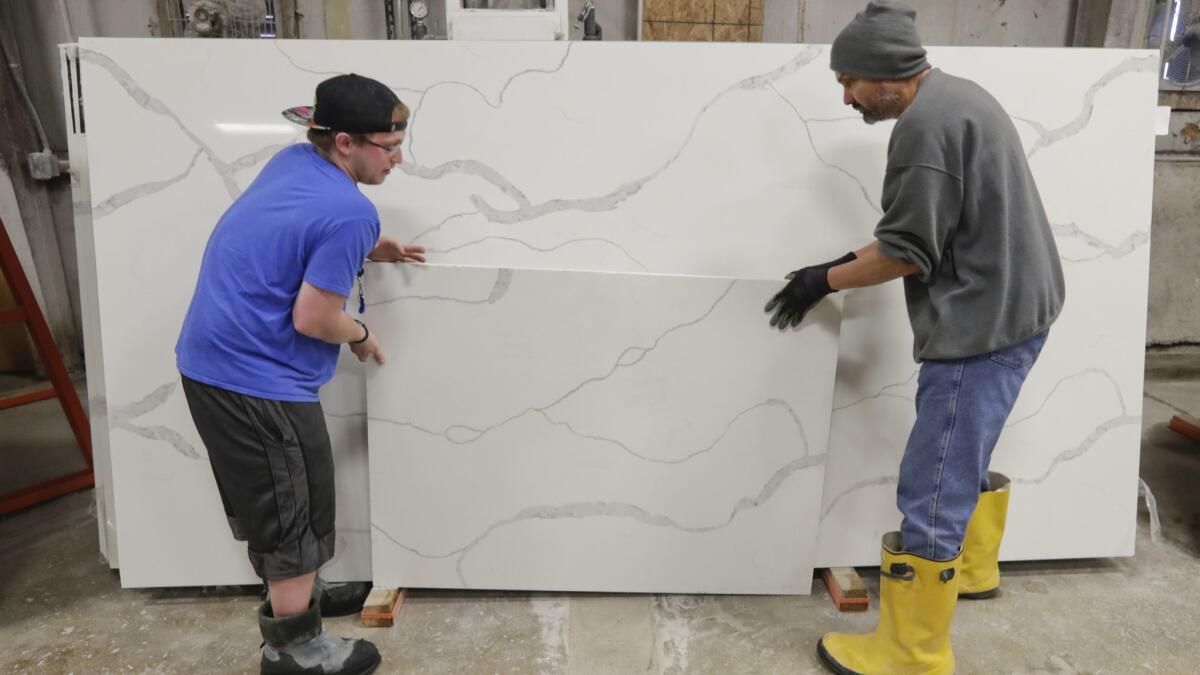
(922, 206)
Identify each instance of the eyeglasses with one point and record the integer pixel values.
(389, 149)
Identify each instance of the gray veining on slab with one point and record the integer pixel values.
(1066, 455)
(886, 391)
(544, 249)
(122, 417)
(1081, 449)
(1048, 137)
(611, 200)
(499, 289)
(499, 97)
(768, 404)
(424, 92)
(462, 434)
(1130, 244)
(144, 99)
(616, 510)
(1116, 389)
(813, 143)
(128, 195)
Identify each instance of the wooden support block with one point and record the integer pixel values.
(846, 588)
(1187, 425)
(381, 606)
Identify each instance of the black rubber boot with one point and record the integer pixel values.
(296, 645)
(340, 598)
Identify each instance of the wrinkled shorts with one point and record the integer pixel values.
(274, 469)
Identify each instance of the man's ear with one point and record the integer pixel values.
(343, 142)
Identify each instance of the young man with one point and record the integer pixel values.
(262, 335)
(964, 225)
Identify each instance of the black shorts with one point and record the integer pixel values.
(274, 470)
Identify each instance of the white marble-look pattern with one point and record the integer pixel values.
(537, 429)
(715, 160)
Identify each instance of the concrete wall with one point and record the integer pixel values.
(45, 206)
(1174, 316)
(35, 28)
(984, 23)
(38, 25)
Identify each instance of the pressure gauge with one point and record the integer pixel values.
(418, 9)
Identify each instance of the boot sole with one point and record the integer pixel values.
(367, 669)
(832, 663)
(980, 595)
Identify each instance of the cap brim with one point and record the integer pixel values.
(302, 115)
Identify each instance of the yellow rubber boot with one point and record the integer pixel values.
(916, 605)
(981, 546)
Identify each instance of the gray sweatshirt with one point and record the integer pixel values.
(959, 202)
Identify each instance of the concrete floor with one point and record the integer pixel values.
(63, 611)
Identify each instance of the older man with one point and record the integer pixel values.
(964, 226)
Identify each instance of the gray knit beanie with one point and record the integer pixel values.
(881, 43)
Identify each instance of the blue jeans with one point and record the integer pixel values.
(962, 406)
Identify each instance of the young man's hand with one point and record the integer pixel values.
(390, 250)
(369, 349)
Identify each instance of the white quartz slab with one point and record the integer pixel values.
(718, 159)
(594, 432)
(89, 301)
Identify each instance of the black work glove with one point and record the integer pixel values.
(805, 288)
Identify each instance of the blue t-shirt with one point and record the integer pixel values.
(302, 219)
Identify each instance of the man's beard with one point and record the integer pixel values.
(886, 107)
